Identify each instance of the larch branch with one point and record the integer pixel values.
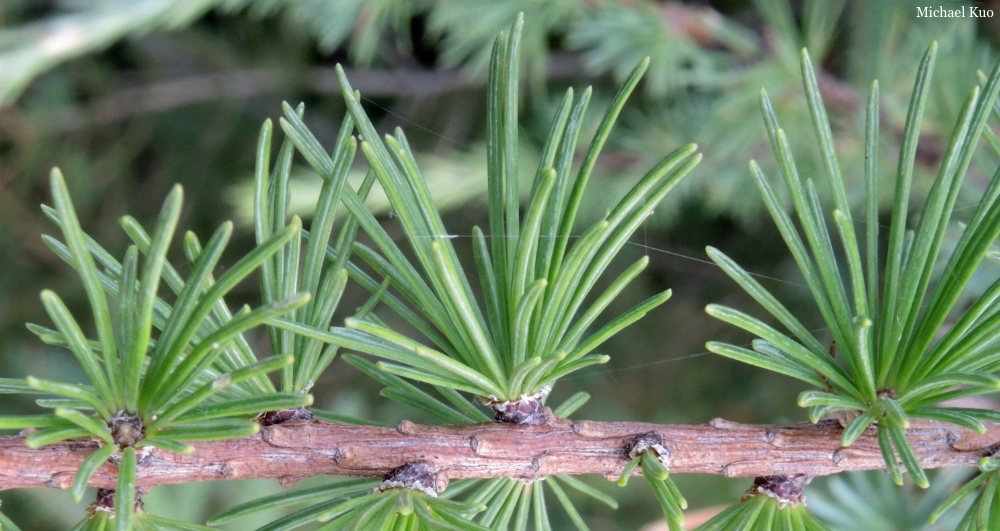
(301, 449)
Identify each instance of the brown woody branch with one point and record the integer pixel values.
(302, 449)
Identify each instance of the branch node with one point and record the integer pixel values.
(587, 428)
(474, 443)
(839, 456)
(787, 490)
(526, 409)
(650, 441)
(721, 423)
(126, 429)
(143, 455)
(105, 502)
(405, 426)
(62, 480)
(271, 418)
(416, 476)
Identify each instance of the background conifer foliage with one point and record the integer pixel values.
(525, 264)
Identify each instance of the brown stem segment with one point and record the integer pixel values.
(299, 449)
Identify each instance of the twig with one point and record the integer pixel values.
(301, 449)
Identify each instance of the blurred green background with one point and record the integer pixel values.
(128, 97)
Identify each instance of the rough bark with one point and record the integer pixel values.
(300, 449)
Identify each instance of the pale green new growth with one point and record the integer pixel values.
(534, 325)
(892, 362)
(147, 392)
